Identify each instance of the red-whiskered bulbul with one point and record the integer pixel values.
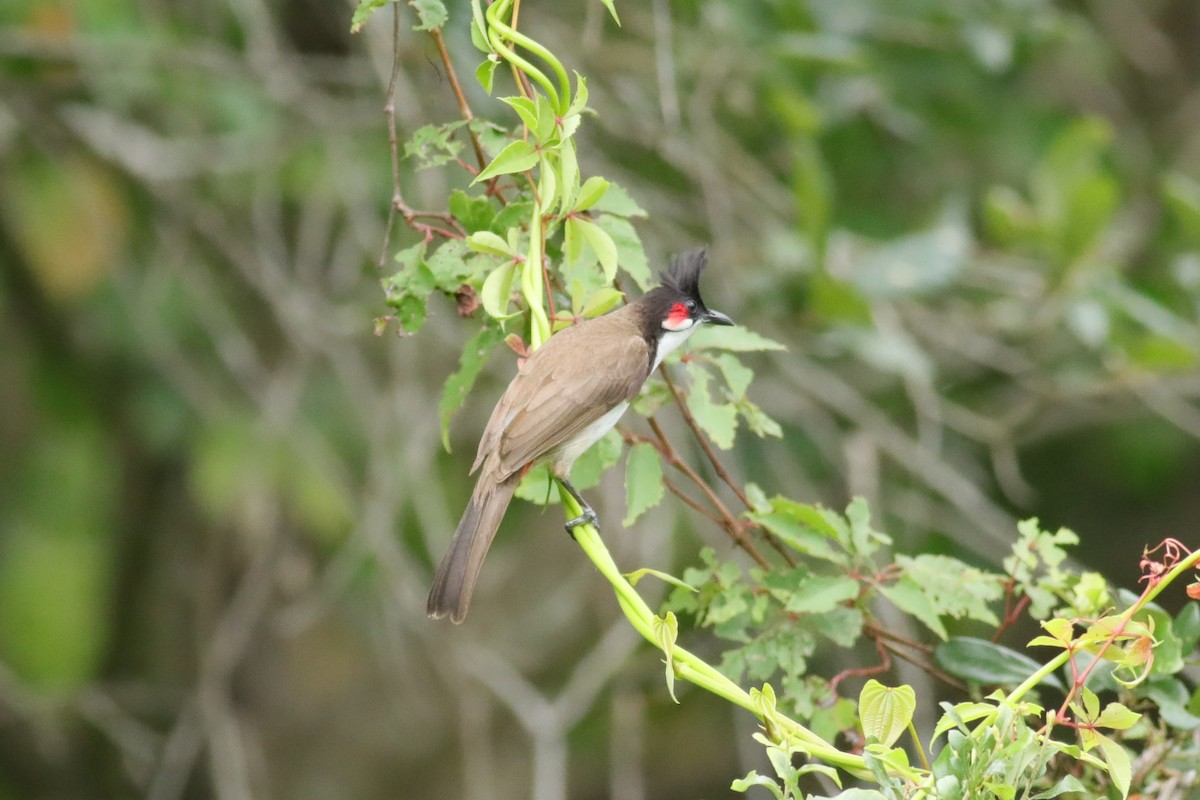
(568, 394)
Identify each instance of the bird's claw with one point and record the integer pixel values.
(587, 517)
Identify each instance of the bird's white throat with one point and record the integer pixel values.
(669, 341)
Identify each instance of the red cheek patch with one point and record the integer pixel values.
(677, 316)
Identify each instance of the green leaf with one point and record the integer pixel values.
(1117, 717)
(1187, 628)
(568, 167)
(526, 109)
(717, 420)
(518, 156)
(821, 593)
(602, 245)
(802, 527)
(1066, 784)
(956, 590)
(475, 213)
(885, 712)
(735, 339)
(600, 302)
(617, 202)
(579, 101)
(512, 216)
(475, 355)
(363, 11)
(629, 254)
(987, 663)
(485, 73)
(487, 242)
(737, 375)
(497, 290)
(612, 9)
(431, 14)
(547, 186)
(643, 481)
(1120, 768)
(590, 193)
(754, 779)
(666, 631)
(432, 145)
(907, 595)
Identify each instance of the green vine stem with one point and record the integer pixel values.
(1152, 591)
(691, 667)
(499, 31)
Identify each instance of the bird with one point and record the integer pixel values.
(564, 397)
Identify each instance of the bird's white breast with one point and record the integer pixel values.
(574, 447)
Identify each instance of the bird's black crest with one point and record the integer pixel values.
(683, 273)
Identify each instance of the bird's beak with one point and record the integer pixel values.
(715, 318)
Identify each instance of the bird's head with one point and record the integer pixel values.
(673, 310)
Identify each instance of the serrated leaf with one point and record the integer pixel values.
(907, 595)
(643, 481)
(474, 213)
(988, 663)
(518, 156)
(821, 593)
(590, 193)
(629, 251)
(431, 14)
(363, 11)
(735, 339)
(1120, 768)
(511, 217)
(579, 101)
(526, 109)
(475, 355)
(618, 202)
(717, 420)
(432, 145)
(885, 712)
(602, 245)
(754, 779)
(801, 527)
(737, 375)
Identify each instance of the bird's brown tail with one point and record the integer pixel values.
(456, 576)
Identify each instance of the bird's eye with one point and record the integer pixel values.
(691, 304)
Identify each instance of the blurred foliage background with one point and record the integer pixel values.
(976, 225)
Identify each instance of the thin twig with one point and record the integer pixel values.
(718, 465)
(686, 498)
(463, 107)
(729, 522)
(389, 112)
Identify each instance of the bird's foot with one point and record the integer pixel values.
(587, 517)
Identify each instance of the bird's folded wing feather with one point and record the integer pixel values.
(570, 382)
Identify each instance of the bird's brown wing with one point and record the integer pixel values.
(567, 384)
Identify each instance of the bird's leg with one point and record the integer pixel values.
(588, 515)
